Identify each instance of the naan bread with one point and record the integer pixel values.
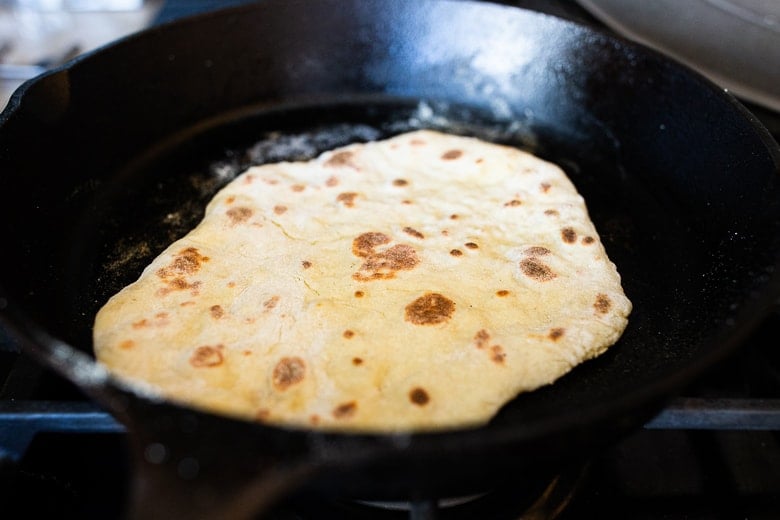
(415, 283)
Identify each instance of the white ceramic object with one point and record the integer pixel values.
(735, 43)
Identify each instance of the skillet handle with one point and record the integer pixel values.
(193, 465)
(182, 489)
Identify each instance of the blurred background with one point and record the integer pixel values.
(36, 35)
(736, 43)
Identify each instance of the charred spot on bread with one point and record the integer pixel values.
(413, 232)
(536, 270)
(239, 214)
(569, 235)
(338, 159)
(430, 309)
(216, 311)
(419, 396)
(347, 198)
(556, 333)
(602, 303)
(345, 410)
(207, 356)
(289, 371)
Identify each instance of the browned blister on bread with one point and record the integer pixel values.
(416, 283)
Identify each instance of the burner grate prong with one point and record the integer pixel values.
(689, 413)
(21, 421)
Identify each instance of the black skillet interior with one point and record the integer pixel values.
(106, 161)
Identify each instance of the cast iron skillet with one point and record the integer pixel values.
(107, 160)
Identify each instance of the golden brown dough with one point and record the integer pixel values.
(415, 283)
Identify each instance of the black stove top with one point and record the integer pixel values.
(714, 452)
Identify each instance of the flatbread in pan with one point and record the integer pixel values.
(415, 283)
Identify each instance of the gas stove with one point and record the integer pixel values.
(712, 452)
